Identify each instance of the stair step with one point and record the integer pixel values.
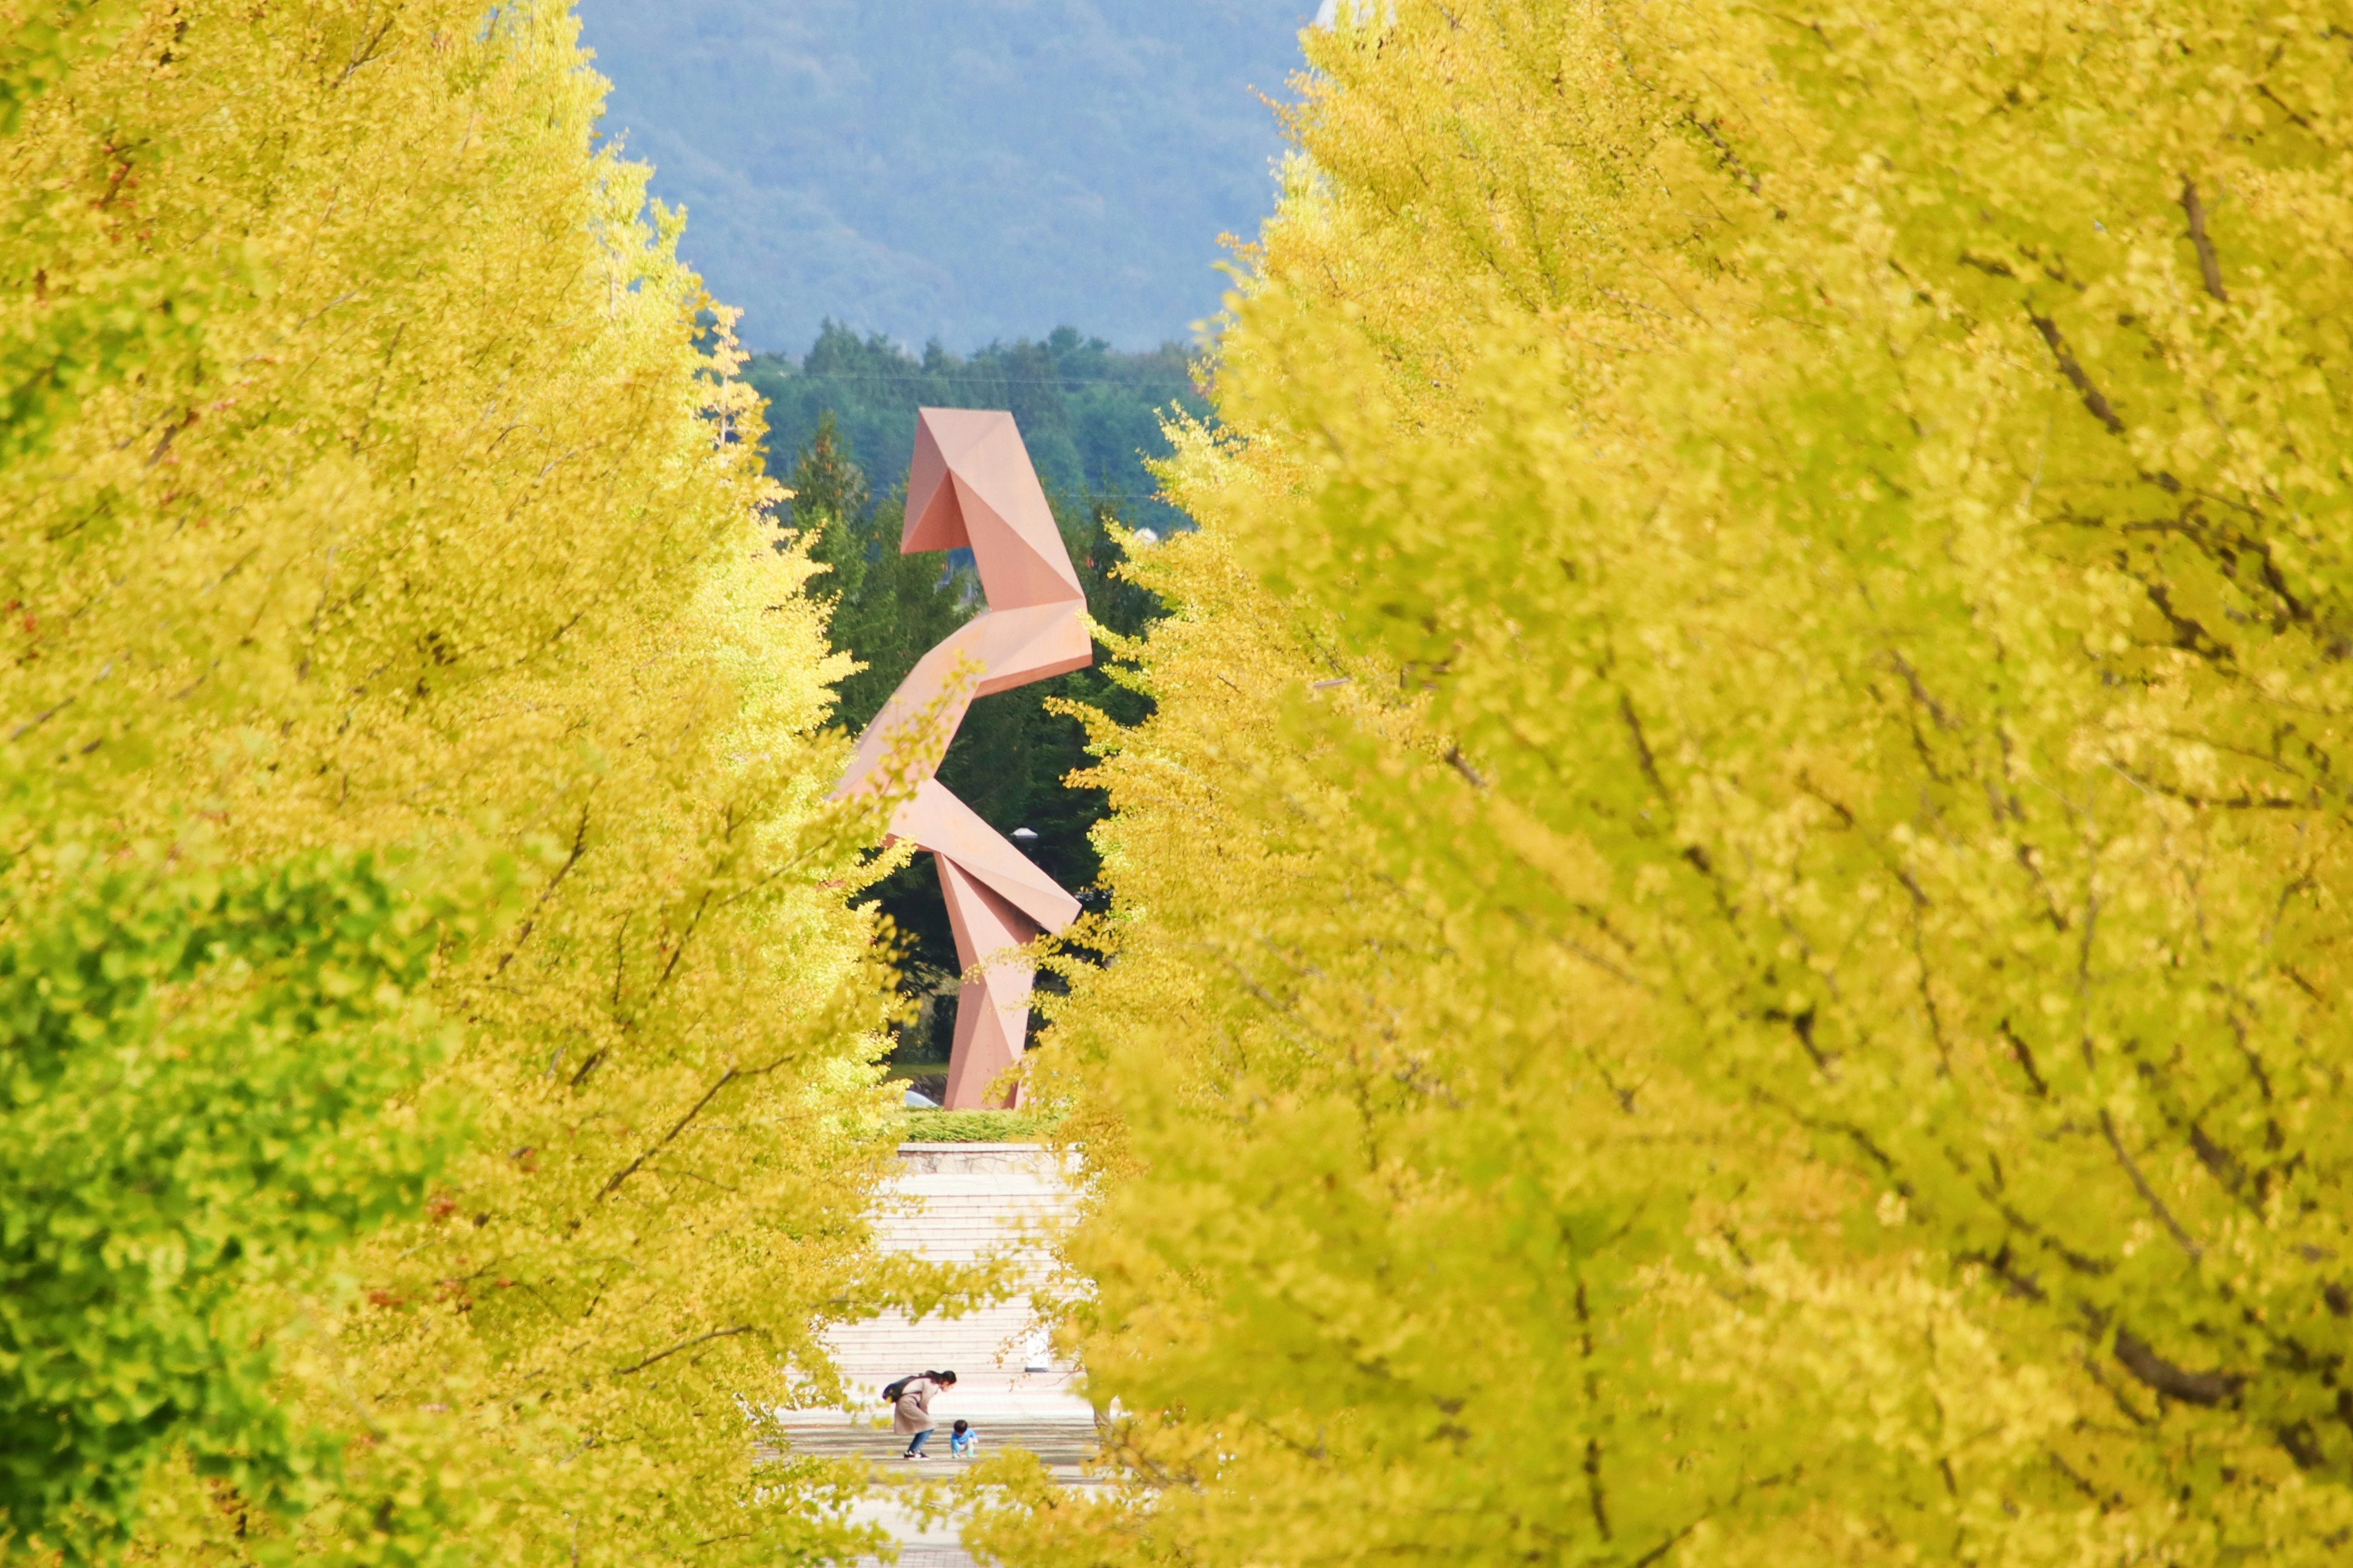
(966, 1203)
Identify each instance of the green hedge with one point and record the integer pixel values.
(977, 1126)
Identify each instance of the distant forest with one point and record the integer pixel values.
(1089, 414)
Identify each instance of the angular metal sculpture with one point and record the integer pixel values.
(972, 485)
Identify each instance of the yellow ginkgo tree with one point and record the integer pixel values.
(439, 1102)
(1731, 923)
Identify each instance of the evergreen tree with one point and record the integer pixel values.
(829, 502)
(1089, 414)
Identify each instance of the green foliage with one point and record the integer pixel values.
(977, 1126)
(1732, 919)
(37, 50)
(1089, 414)
(198, 1073)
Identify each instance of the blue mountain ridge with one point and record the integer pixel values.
(958, 171)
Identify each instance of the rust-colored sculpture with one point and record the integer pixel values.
(972, 485)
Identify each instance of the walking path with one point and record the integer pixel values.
(959, 1202)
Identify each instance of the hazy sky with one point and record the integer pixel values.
(965, 170)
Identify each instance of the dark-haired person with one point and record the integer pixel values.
(912, 1417)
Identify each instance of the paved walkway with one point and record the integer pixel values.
(959, 1202)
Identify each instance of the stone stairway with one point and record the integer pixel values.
(1062, 1442)
(959, 1202)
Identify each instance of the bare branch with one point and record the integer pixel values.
(631, 1169)
(1641, 744)
(2207, 1388)
(730, 1076)
(2094, 399)
(686, 1345)
(2208, 263)
(579, 848)
(2147, 1192)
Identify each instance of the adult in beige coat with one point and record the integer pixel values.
(912, 1417)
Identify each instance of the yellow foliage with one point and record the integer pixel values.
(368, 482)
(1730, 924)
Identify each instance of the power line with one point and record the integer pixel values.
(998, 380)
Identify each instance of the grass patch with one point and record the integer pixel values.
(977, 1126)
